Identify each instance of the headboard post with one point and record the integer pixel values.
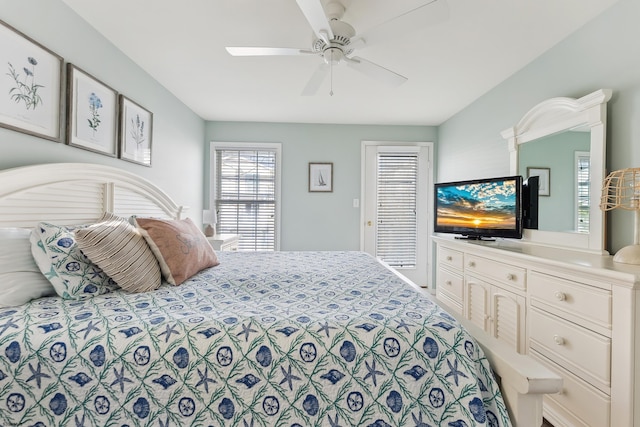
(109, 196)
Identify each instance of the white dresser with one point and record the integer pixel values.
(577, 313)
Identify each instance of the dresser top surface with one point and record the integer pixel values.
(602, 265)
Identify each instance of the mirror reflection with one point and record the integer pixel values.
(564, 158)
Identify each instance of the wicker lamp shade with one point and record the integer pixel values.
(621, 190)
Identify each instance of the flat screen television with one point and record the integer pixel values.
(480, 208)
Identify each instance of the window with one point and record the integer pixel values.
(582, 191)
(397, 185)
(246, 193)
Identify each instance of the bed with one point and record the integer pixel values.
(259, 339)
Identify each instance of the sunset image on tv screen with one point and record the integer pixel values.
(485, 205)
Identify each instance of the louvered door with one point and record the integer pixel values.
(499, 312)
(395, 201)
(507, 317)
(477, 300)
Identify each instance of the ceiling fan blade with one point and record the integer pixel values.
(266, 51)
(430, 13)
(316, 80)
(376, 71)
(313, 11)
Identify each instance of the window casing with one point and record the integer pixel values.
(246, 192)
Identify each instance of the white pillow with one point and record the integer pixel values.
(59, 258)
(20, 279)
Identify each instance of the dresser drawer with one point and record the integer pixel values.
(581, 351)
(577, 398)
(576, 299)
(514, 277)
(449, 257)
(450, 283)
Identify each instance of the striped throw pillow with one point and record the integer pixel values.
(120, 251)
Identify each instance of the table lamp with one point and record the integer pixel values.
(209, 218)
(621, 190)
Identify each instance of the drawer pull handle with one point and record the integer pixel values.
(511, 276)
(449, 258)
(448, 283)
(560, 296)
(472, 264)
(558, 339)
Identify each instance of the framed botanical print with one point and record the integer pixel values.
(136, 131)
(31, 86)
(92, 117)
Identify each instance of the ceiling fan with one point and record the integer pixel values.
(336, 41)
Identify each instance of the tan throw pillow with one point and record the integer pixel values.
(122, 253)
(180, 246)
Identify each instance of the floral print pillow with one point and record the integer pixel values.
(60, 259)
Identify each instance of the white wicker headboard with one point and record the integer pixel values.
(75, 193)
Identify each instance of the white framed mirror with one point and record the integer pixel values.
(564, 139)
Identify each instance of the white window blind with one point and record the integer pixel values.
(246, 197)
(584, 187)
(397, 184)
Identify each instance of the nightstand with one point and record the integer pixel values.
(224, 242)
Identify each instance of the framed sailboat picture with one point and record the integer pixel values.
(321, 177)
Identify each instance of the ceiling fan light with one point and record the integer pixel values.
(333, 55)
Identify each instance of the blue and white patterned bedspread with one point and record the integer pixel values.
(264, 339)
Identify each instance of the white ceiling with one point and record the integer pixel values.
(448, 64)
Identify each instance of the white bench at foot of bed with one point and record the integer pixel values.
(524, 381)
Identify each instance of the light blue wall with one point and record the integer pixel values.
(605, 53)
(181, 138)
(318, 221)
(178, 133)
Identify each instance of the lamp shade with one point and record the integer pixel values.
(621, 190)
(209, 216)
